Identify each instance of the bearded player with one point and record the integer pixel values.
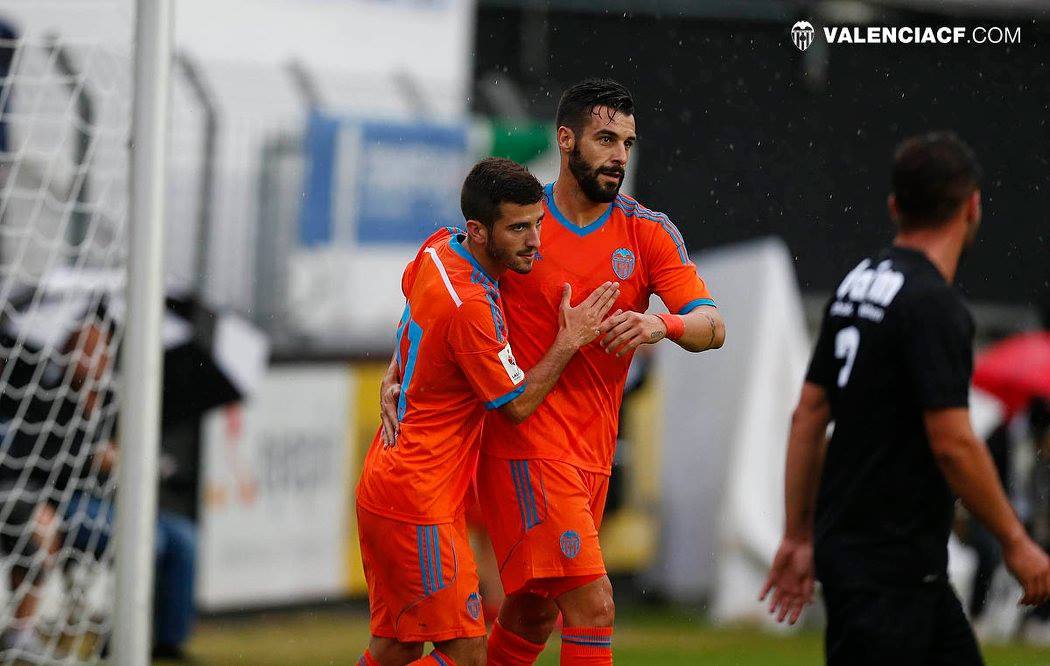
(543, 483)
(454, 362)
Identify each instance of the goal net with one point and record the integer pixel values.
(65, 109)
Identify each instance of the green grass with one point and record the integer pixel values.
(643, 638)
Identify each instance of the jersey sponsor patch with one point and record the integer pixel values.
(516, 374)
(623, 263)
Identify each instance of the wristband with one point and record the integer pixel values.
(675, 325)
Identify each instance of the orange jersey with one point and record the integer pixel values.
(645, 253)
(455, 362)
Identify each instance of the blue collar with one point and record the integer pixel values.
(576, 229)
(463, 252)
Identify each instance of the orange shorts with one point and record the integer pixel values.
(543, 517)
(422, 580)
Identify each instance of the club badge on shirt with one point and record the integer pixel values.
(623, 263)
(516, 374)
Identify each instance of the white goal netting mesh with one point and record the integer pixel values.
(65, 109)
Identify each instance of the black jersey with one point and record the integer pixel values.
(896, 340)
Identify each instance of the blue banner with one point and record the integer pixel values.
(397, 181)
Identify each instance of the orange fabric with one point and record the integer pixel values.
(475, 518)
(422, 580)
(631, 244)
(552, 588)
(506, 648)
(586, 646)
(543, 518)
(455, 362)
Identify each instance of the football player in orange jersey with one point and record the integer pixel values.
(543, 483)
(453, 361)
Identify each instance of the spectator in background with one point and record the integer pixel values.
(50, 417)
(1037, 624)
(38, 470)
(89, 521)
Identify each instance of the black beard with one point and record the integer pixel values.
(493, 251)
(588, 179)
(501, 257)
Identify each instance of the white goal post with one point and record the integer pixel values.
(141, 351)
(84, 92)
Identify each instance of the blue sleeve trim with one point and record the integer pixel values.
(504, 399)
(692, 305)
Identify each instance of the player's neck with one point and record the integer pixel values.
(942, 246)
(573, 203)
(492, 268)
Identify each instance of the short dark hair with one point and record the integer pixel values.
(493, 181)
(933, 174)
(580, 100)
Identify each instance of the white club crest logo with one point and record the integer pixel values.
(802, 34)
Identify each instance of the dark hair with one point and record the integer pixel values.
(580, 100)
(933, 174)
(1039, 417)
(496, 180)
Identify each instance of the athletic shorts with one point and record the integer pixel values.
(422, 580)
(543, 518)
(920, 625)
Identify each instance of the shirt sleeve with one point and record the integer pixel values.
(408, 278)
(938, 349)
(673, 277)
(484, 357)
(823, 365)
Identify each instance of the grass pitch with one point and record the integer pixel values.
(644, 637)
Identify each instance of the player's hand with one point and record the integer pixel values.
(790, 580)
(626, 331)
(579, 325)
(389, 392)
(1031, 567)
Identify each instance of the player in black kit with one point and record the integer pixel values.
(869, 512)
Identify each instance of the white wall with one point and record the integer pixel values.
(726, 417)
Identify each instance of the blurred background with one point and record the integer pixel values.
(315, 143)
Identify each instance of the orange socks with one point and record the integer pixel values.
(586, 646)
(509, 649)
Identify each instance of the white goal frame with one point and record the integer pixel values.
(141, 353)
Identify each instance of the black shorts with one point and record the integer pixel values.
(922, 625)
(19, 505)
